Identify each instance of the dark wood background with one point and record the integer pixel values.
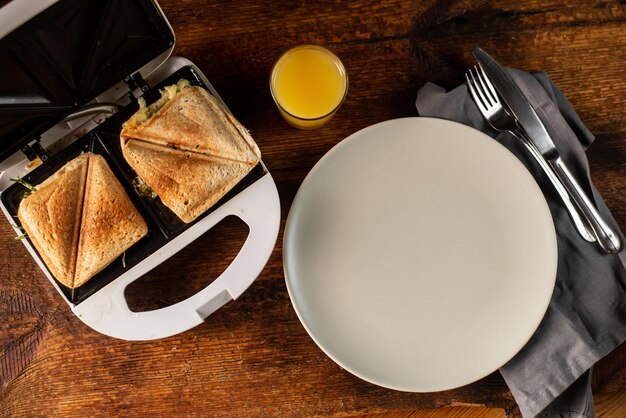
(253, 357)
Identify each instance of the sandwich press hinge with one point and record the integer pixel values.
(35, 150)
(136, 84)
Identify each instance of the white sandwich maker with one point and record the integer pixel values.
(71, 72)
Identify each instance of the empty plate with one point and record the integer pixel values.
(420, 254)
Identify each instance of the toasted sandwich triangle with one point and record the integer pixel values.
(194, 121)
(110, 222)
(51, 218)
(188, 183)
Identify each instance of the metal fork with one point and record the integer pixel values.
(486, 98)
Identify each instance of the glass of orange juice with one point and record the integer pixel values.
(308, 84)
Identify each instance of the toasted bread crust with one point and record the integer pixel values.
(195, 121)
(187, 183)
(110, 222)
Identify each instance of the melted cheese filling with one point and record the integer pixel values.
(146, 112)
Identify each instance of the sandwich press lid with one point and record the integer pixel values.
(68, 54)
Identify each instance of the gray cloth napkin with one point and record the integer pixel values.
(586, 319)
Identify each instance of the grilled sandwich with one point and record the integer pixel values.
(188, 149)
(80, 219)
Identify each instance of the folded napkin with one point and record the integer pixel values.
(586, 318)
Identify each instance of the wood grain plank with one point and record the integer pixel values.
(448, 412)
(611, 405)
(290, 22)
(532, 15)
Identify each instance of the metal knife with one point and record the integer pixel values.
(527, 118)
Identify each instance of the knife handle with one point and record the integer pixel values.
(581, 226)
(606, 238)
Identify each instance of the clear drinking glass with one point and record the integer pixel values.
(308, 83)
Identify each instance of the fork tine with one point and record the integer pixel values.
(473, 93)
(484, 89)
(478, 89)
(490, 87)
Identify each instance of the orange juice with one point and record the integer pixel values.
(308, 84)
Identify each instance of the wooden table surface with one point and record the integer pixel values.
(253, 357)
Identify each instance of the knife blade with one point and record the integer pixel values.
(518, 105)
(529, 121)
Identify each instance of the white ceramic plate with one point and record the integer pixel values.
(420, 254)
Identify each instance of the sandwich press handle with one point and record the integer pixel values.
(259, 207)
